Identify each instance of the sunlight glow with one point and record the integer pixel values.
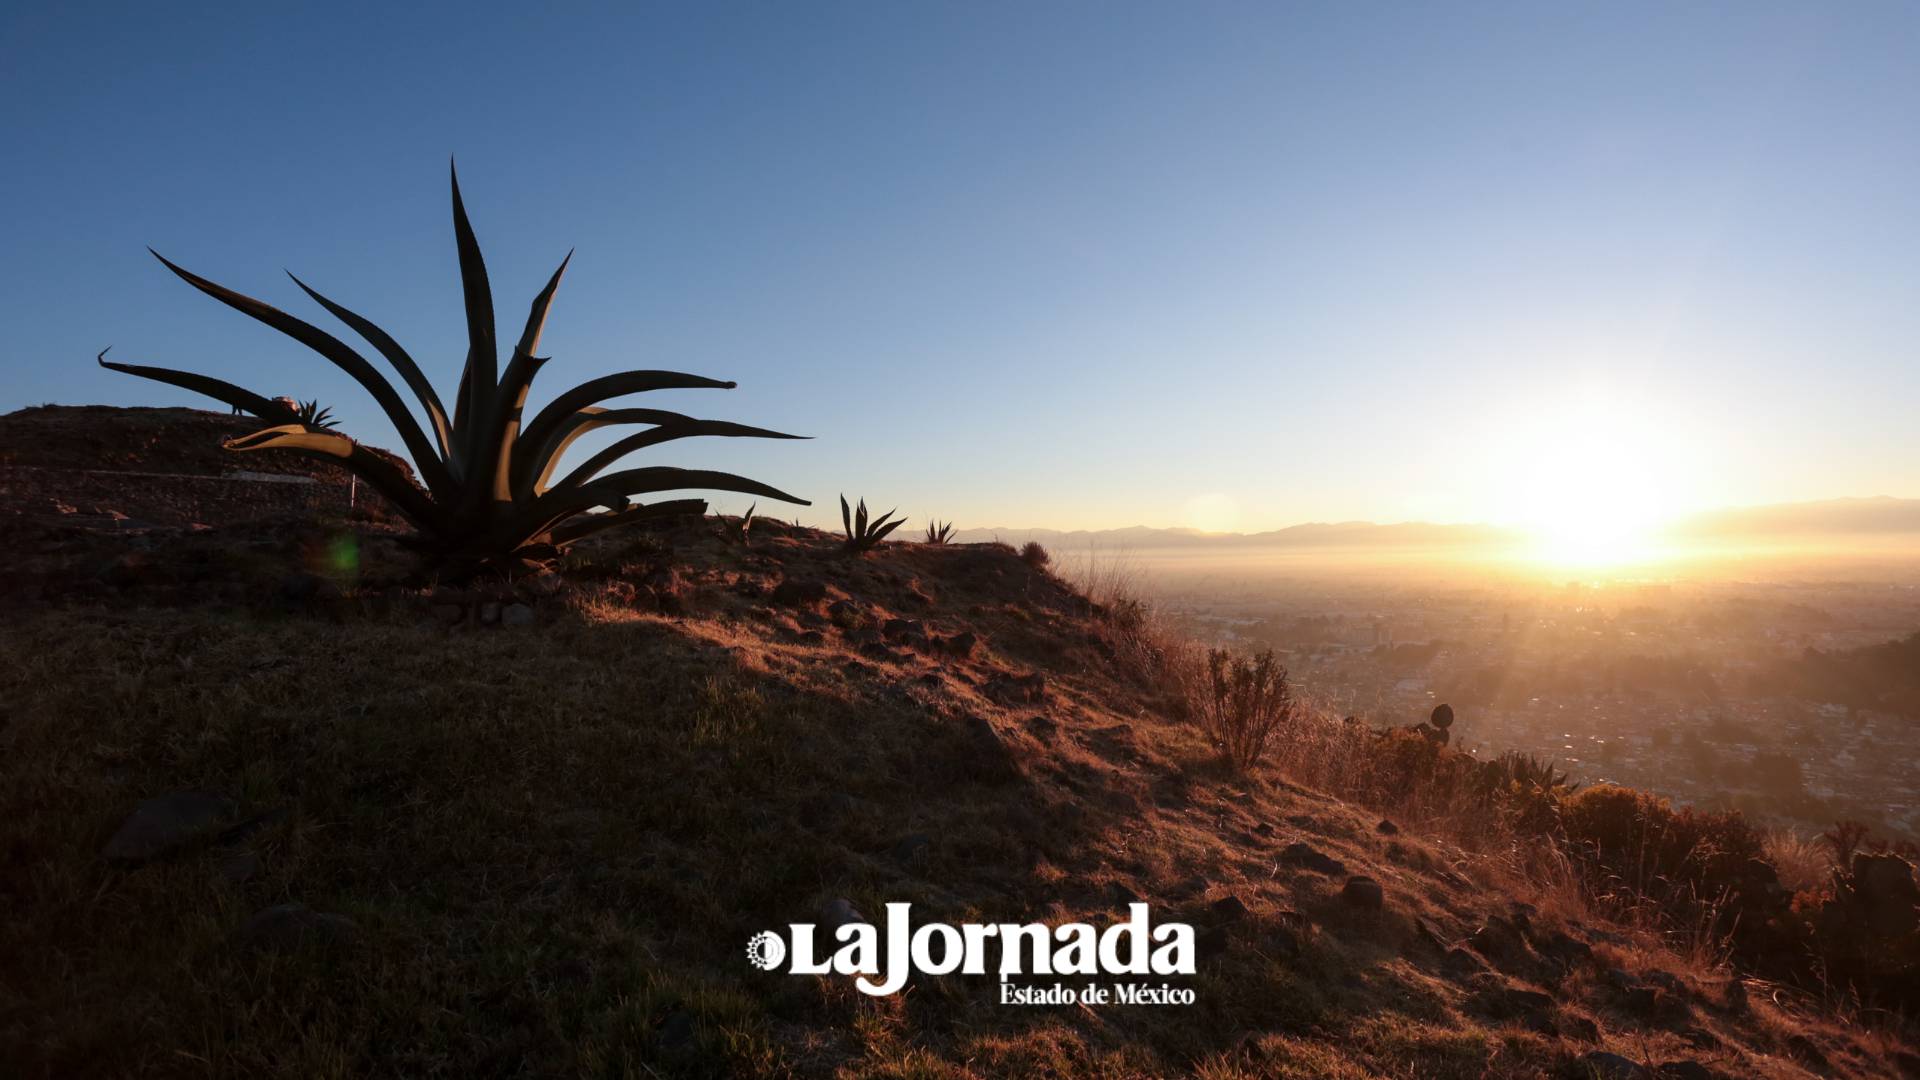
(1593, 480)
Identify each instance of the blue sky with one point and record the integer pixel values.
(1035, 264)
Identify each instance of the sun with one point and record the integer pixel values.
(1592, 481)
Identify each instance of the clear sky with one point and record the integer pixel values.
(1235, 266)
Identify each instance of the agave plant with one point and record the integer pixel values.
(313, 416)
(737, 527)
(864, 535)
(490, 494)
(938, 533)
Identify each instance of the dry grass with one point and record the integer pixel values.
(555, 840)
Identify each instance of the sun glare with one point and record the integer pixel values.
(1593, 481)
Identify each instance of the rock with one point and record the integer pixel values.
(1579, 1027)
(1682, 1070)
(1363, 893)
(1499, 940)
(1301, 854)
(447, 613)
(962, 644)
(1564, 949)
(489, 612)
(910, 846)
(1211, 942)
(1121, 895)
(1461, 964)
(844, 613)
(799, 593)
(837, 913)
(1601, 1065)
(1735, 995)
(1016, 689)
(677, 1031)
(240, 867)
(1228, 909)
(909, 632)
(1511, 1003)
(288, 926)
(874, 650)
(516, 615)
(1386, 828)
(164, 824)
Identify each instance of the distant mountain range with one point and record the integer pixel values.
(1879, 516)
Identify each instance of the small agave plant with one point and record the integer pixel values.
(938, 533)
(864, 535)
(490, 496)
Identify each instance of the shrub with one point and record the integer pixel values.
(1034, 555)
(490, 498)
(1242, 703)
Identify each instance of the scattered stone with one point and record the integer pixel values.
(1735, 995)
(1017, 689)
(164, 824)
(677, 1031)
(1299, 853)
(234, 834)
(516, 615)
(844, 613)
(1564, 949)
(1461, 964)
(240, 867)
(962, 644)
(1263, 829)
(1386, 828)
(489, 612)
(909, 632)
(1363, 893)
(1229, 909)
(1121, 895)
(1579, 1027)
(288, 926)
(910, 846)
(837, 913)
(1682, 1070)
(799, 593)
(1499, 940)
(811, 637)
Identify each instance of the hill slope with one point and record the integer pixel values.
(531, 830)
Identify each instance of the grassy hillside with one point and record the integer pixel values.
(530, 830)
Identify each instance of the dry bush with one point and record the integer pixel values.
(1242, 702)
(1034, 555)
(1802, 862)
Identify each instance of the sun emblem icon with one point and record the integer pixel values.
(765, 950)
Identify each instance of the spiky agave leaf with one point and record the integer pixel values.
(938, 533)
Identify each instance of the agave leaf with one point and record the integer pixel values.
(593, 523)
(543, 435)
(495, 431)
(537, 314)
(218, 389)
(679, 427)
(379, 473)
(483, 355)
(342, 357)
(846, 517)
(402, 362)
(294, 437)
(500, 426)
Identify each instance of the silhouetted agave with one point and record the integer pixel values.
(864, 535)
(938, 533)
(490, 495)
(313, 415)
